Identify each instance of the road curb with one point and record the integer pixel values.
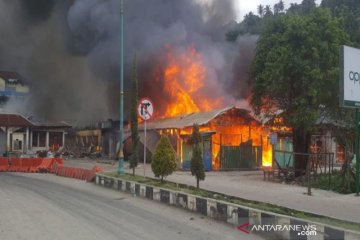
(234, 214)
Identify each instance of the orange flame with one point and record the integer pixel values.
(234, 136)
(184, 78)
(184, 82)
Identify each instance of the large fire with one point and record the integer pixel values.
(184, 82)
(184, 78)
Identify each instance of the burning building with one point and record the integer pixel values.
(190, 94)
(185, 65)
(232, 138)
(324, 140)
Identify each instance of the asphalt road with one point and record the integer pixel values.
(44, 206)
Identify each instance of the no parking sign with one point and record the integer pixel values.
(145, 109)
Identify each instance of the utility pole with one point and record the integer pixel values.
(121, 169)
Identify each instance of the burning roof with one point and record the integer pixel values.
(200, 118)
(229, 127)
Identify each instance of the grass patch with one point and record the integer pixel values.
(244, 202)
(336, 182)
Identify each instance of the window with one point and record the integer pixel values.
(42, 139)
(35, 139)
(38, 139)
(55, 138)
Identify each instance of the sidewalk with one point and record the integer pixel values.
(250, 185)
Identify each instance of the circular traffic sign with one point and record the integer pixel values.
(145, 109)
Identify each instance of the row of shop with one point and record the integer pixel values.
(232, 139)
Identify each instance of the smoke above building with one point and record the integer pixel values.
(69, 51)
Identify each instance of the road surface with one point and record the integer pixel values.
(45, 206)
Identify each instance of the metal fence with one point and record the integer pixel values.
(240, 157)
(316, 164)
(244, 155)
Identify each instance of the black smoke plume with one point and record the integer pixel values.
(69, 51)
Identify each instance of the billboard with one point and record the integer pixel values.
(350, 77)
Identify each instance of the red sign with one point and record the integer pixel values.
(145, 109)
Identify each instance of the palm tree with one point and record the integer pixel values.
(260, 10)
(268, 11)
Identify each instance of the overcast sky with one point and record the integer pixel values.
(245, 6)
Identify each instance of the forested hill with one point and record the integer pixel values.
(348, 11)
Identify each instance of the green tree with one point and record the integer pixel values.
(268, 11)
(260, 10)
(197, 165)
(349, 12)
(134, 158)
(308, 5)
(163, 161)
(296, 69)
(251, 24)
(279, 7)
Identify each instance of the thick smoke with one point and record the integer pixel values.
(35, 44)
(69, 50)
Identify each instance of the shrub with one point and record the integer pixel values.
(197, 165)
(163, 161)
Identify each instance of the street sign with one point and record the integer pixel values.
(146, 112)
(350, 95)
(145, 109)
(350, 77)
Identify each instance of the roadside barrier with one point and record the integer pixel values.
(55, 164)
(15, 164)
(78, 173)
(47, 165)
(36, 162)
(25, 164)
(30, 164)
(4, 164)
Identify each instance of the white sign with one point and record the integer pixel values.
(350, 77)
(145, 109)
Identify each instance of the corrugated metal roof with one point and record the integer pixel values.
(188, 120)
(152, 138)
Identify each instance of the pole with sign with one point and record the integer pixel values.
(145, 112)
(357, 152)
(120, 154)
(350, 94)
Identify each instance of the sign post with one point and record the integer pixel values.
(145, 112)
(350, 95)
(357, 152)
(120, 154)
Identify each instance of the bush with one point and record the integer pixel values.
(338, 182)
(197, 165)
(163, 161)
